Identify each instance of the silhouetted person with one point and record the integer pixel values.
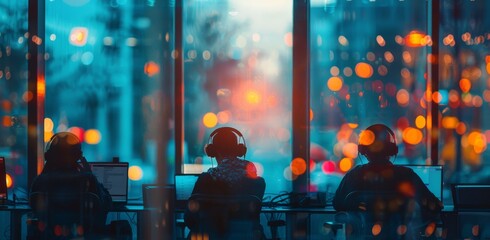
(232, 177)
(67, 173)
(378, 144)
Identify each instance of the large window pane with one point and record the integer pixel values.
(464, 83)
(108, 80)
(13, 93)
(368, 65)
(238, 73)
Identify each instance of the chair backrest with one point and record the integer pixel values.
(67, 208)
(389, 212)
(221, 216)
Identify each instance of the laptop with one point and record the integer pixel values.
(114, 177)
(184, 184)
(431, 175)
(471, 197)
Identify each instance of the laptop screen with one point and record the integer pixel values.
(184, 184)
(3, 179)
(114, 177)
(431, 175)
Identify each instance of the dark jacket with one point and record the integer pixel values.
(386, 178)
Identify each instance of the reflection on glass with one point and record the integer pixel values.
(108, 65)
(366, 69)
(238, 73)
(13, 94)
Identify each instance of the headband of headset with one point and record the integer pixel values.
(380, 145)
(63, 143)
(211, 149)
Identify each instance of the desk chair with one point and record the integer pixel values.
(63, 216)
(159, 222)
(225, 217)
(375, 215)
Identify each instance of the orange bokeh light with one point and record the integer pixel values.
(363, 70)
(465, 85)
(403, 97)
(151, 68)
(298, 166)
(415, 39)
(92, 136)
(366, 137)
(210, 120)
(135, 173)
(345, 164)
(335, 84)
(412, 135)
(450, 122)
(9, 180)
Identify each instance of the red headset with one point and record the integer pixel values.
(239, 150)
(388, 148)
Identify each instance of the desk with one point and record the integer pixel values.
(20, 209)
(16, 212)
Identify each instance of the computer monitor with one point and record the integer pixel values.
(184, 184)
(114, 177)
(3, 180)
(431, 175)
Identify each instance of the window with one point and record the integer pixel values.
(109, 80)
(237, 72)
(13, 94)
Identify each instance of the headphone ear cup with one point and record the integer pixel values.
(241, 150)
(210, 150)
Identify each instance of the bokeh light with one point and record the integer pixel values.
(92, 136)
(48, 125)
(135, 173)
(363, 70)
(9, 180)
(366, 137)
(78, 36)
(328, 167)
(298, 166)
(420, 121)
(345, 164)
(412, 135)
(78, 132)
(252, 97)
(210, 120)
(334, 83)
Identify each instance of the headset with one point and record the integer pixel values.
(389, 148)
(239, 150)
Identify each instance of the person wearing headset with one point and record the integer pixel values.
(232, 176)
(64, 168)
(378, 144)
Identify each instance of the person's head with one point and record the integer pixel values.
(378, 143)
(62, 152)
(225, 142)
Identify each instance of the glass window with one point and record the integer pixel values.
(109, 80)
(464, 90)
(237, 72)
(13, 94)
(366, 69)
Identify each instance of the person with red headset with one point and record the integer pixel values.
(232, 176)
(378, 144)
